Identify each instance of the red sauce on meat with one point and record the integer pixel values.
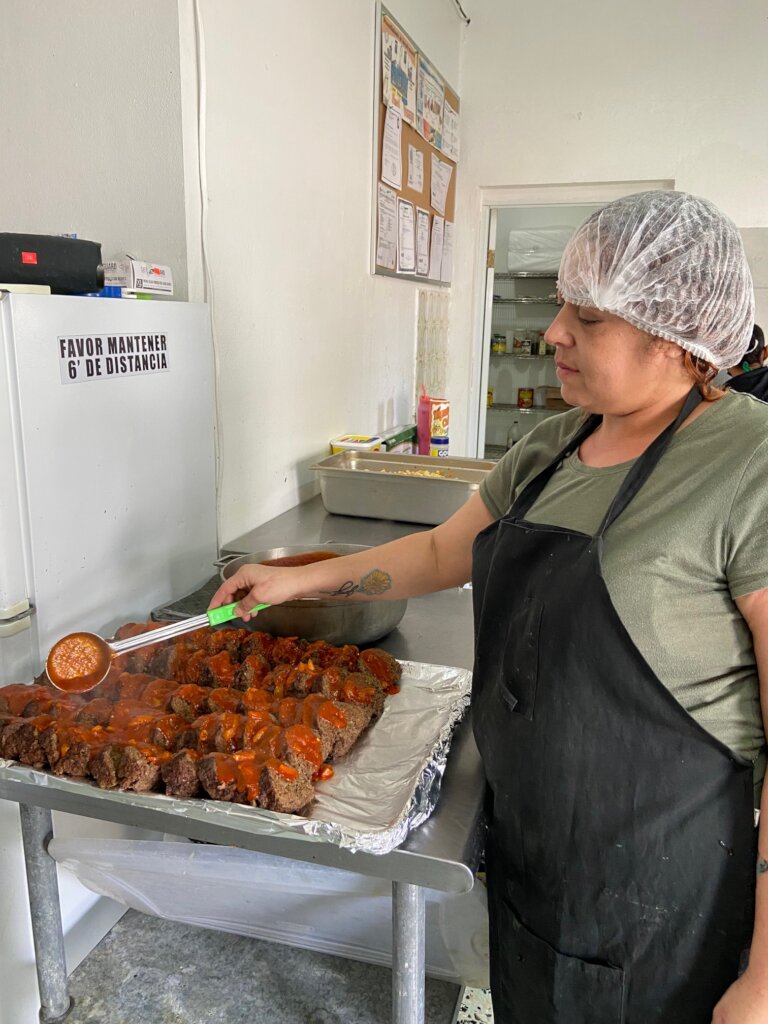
(225, 698)
(305, 743)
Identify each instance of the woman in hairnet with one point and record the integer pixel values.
(751, 373)
(619, 556)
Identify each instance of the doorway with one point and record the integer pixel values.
(523, 233)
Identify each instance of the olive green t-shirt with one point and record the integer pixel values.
(691, 541)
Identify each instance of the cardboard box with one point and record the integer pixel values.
(138, 276)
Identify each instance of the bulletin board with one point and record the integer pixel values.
(428, 125)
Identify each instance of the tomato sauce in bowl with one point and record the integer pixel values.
(304, 558)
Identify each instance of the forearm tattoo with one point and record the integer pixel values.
(762, 865)
(373, 584)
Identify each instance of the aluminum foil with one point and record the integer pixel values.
(388, 784)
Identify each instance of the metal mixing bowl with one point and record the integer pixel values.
(338, 622)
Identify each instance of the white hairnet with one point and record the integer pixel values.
(669, 263)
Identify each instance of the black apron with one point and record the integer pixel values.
(621, 849)
(753, 382)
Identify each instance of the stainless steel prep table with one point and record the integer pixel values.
(442, 854)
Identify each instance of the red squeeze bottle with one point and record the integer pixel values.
(423, 422)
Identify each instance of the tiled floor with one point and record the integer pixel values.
(152, 971)
(475, 1007)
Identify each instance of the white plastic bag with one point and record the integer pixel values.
(296, 903)
(536, 250)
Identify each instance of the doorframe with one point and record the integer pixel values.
(497, 197)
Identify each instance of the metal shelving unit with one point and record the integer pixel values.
(522, 302)
(525, 300)
(520, 355)
(511, 407)
(523, 276)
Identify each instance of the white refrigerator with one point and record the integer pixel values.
(107, 508)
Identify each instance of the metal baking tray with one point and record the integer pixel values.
(376, 485)
(387, 785)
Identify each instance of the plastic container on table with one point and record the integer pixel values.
(357, 443)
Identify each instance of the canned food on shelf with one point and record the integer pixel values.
(438, 419)
(524, 398)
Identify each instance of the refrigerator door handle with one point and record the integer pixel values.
(16, 613)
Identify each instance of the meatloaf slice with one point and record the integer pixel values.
(69, 748)
(383, 667)
(252, 672)
(9, 735)
(353, 688)
(139, 767)
(288, 650)
(249, 777)
(220, 732)
(218, 776)
(218, 670)
(168, 662)
(125, 766)
(29, 748)
(180, 774)
(223, 698)
(103, 766)
(14, 698)
(95, 712)
(303, 750)
(358, 718)
(282, 791)
(193, 667)
(166, 731)
(228, 639)
(157, 692)
(188, 701)
(257, 643)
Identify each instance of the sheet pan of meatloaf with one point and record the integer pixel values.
(385, 786)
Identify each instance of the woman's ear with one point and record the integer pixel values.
(670, 350)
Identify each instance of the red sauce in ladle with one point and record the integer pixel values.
(78, 662)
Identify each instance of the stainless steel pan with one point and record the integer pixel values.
(338, 622)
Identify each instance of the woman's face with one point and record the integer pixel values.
(606, 365)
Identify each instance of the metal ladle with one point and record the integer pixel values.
(79, 662)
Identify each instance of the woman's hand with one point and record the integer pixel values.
(745, 1002)
(265, 584)
(419, 563)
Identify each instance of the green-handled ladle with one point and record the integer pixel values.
(80, 661)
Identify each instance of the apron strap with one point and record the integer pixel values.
(647, 462)
(529, 494)
(634, 480)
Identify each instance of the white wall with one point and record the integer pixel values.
(597, 92)
(90, 141)
(90, 125)
(310, 344)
